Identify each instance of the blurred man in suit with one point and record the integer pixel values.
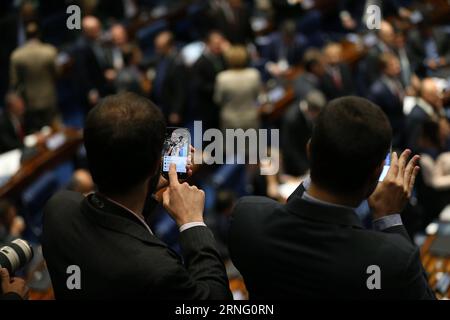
(368, 70)
(296, 131)
(388, 93)
(169, 85)
(429, 107)
(315, 246)
(13, 25)
(106, 234)
(232, 18)
(286, 46)
(33, 75)
(12, 129)
(309, 80)
(204, 73)
(429, 47)
(92, 70)
(337, 80)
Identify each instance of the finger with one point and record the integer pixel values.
(173, 177)
(166, 198)
(393, 170)
(409, 170)
(413, 180)
(4, 275)
(402, 163)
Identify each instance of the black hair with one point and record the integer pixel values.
(123, 137)
(351, 138)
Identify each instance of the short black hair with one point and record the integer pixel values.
(351, 138)
(123, 136)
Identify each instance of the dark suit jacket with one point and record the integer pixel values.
(416, 45)
(392, 106)
(306, 250)
(294, 51)
(296, 131)
(120, 259)
(9, 139)
(413, 126)
(172, 95)
(204, 74)
(346, 88)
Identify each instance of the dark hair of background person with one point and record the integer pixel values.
(123, 136)
(351, 138)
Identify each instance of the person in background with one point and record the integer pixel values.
(231, 18)
(169, 86)
(236, 91)
(309, 80)
(11, 225)
(285, 49)
(204, 73)
(92, 67)
(388, 93)
(386, 42)
(337, 80)
(296, 131)
(429, 47)
(315, 245)
(33, 74)
(12, 125)
(429, 107)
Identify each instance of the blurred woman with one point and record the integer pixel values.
(236, 91)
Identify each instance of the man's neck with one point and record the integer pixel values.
(320, 194)
(133, 201)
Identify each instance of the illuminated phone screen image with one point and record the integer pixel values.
(176, 149)
(387, 165)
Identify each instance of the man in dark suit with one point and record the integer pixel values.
(314, 246)
(232, 18)
(204, 74)
(286, 45)
(12, 130)
(106, 235)
(429, 47)
(91, 64)
(337, 80)
(296, 131)
(309, 80)
(429, 107)
(388, 93)
(169, 85)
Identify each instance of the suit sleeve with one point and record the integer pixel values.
(414, 278)
(202, 277)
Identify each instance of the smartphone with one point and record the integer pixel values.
(176, 150)
(387, 165)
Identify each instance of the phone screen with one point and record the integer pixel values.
(176, 150)
(387, 165)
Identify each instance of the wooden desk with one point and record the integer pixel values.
(433, 265)
(45, 159)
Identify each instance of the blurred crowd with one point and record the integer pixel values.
(231, 64)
